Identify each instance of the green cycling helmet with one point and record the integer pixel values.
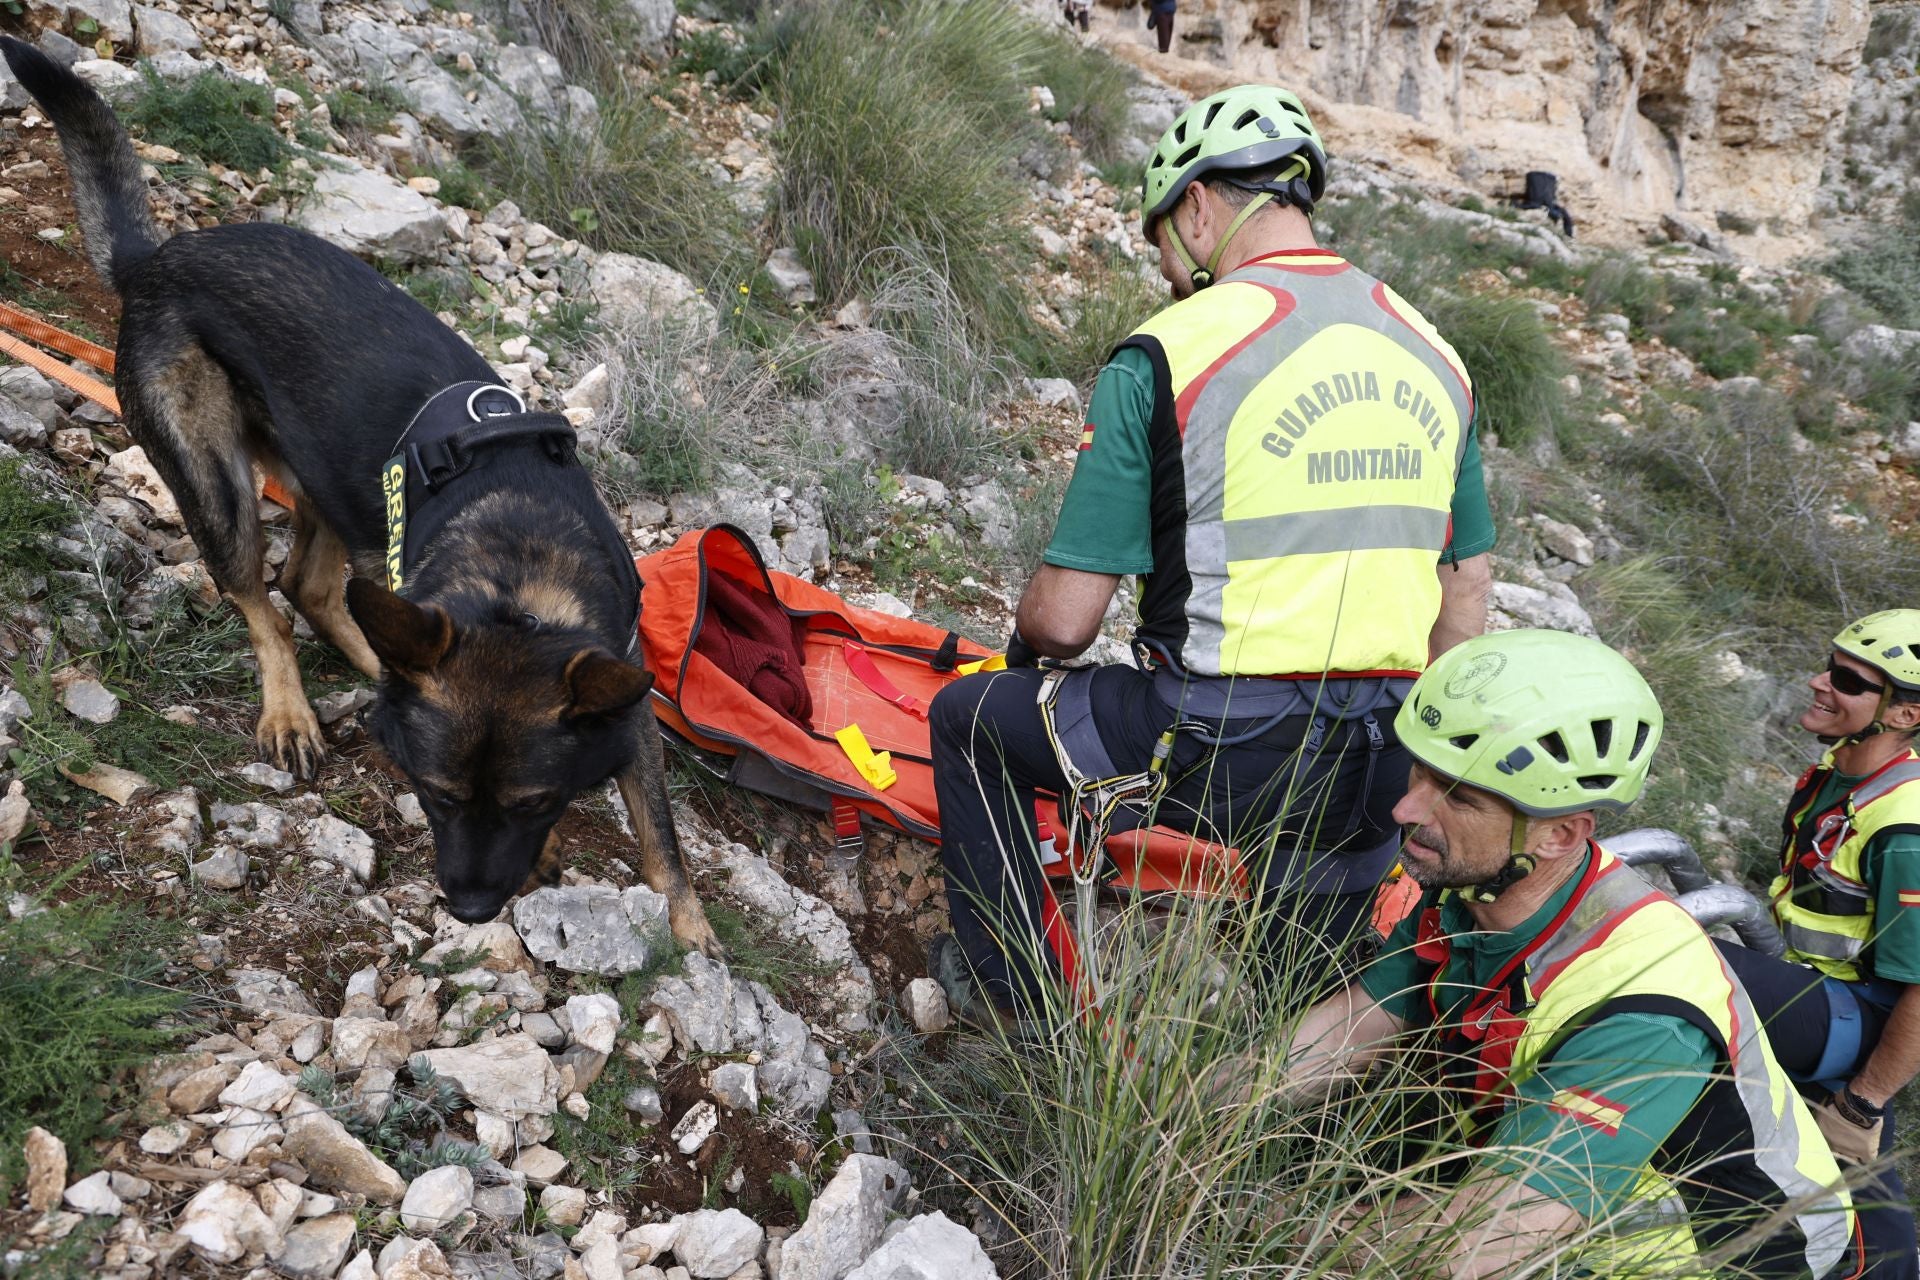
(1889, 642)
(1551, 722)
(1251, 127)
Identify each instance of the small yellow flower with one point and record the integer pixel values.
(744, 289)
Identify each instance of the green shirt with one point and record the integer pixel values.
(1889, 865)
(1105, 523)
(1584, 1125)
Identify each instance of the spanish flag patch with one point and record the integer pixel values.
(1592, 1109)
(1910, 897)
(1086, 437)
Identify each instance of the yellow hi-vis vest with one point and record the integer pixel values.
(1320, 422)
(1750, 1147)
(1821, 899)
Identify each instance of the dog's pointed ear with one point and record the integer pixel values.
(599, 684)
(409, 639)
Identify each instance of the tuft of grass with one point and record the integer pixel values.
(1117, 295)
(79, 1011)
(900, 128)
(412, 1134)
(633, 186)
(757, 951)
(211, 117)
(30, 514)
(1712, 319)
(1089, 95)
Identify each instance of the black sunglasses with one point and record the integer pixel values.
(1850, 682)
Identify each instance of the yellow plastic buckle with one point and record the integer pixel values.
(998, 662)
(875, 766)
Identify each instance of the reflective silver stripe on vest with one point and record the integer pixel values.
(1297, 533)
(1818, 1211)
(1873, 788)
(1213, 542)
(1809, 941)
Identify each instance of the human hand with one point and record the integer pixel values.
(1850, 1128)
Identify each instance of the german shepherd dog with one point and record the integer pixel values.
(506, 689)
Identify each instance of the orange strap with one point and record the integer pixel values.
(98, 392)
(59, 339)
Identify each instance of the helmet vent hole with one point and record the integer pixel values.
(1598, 781)
(1212, 111)
(1247, 117)
(1462, 741)
(1640, 737)
(1554, 745)
(1602, 736)
(1180, 132)
(1186, 157)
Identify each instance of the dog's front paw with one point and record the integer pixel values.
(689, 922)
(289, 738)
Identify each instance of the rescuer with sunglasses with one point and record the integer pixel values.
(1842, 1007)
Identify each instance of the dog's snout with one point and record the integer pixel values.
(477, 908)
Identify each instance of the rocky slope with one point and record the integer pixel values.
(1720, 114)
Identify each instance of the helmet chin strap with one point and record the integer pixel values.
(1520, 865)
(1877, 725)
(1204, 276)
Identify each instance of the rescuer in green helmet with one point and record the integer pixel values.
(1842, 1005)
(1577, 1022)
(1286, 460)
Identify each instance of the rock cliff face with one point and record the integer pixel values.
(1722, 109)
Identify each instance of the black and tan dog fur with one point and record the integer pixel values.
(504, 692)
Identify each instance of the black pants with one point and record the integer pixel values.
(991, 751)
(1162, 25)
(1792, 1002)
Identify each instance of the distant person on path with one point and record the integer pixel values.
(1286, 458)
(1160, 21)
(1078, 13)
(1843, 1006)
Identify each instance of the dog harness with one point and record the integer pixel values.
(458, 432)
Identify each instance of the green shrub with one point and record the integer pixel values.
(79, 1010)
(210, 117)
(632, 186)
(365, 111)
(1884, 266)
(29, 515)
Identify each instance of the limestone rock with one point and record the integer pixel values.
(91, 701)
(88, 20)
(156, 31)
(222, 1223)
(791, 279)
(224, 867)
(734, 1086)
(133, 474)
(846, 1220)
(593, 1020)
(640, 294)
(342, 844)
(699, 1004)
(371, 215)
(46, 1159)
(316, 1249)
(712, 1245)
(1564, 540)
(565, 1206)
(436, 1199)
(335, 1159)
(926, 1005)
(931, 1247)
(268, 991)
(258, 1086)
(512, 1076)
(369, 1042)
(16, 814)
(695, 1127)
(94, 1194)
(593, 928)
(1557, 610)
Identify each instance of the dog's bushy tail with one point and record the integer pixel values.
(109, 189)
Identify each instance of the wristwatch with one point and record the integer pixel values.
(1857, 1109)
